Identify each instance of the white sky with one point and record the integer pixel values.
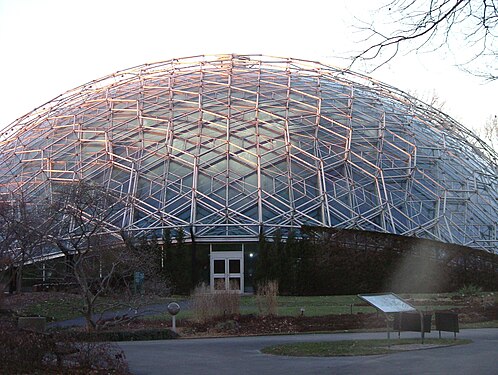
(50, 46)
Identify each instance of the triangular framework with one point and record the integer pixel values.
(230, 146)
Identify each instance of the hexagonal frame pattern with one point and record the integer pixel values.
(231, 146)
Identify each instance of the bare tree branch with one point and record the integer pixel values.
(467, 26)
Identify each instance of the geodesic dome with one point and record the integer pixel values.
(228, 147)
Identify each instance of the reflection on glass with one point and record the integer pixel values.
(219, 283)
(234, 266)
(234, 283)
(219, 266)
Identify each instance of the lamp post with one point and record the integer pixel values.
(173, 309)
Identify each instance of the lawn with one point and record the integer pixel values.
(57, 306)
(344, 304)
(320, 305)
(487, 324)
(62, 306)
(312, 305)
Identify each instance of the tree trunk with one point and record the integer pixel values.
(18, 277)
(193, 260)
(88, 314)
(12, 279)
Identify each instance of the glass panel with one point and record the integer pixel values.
(219, 283)
(234, 266)
(234, 283)
(219, 266)
(227, 247)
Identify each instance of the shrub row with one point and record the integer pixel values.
(133, 335)
(329, 261)
(24, 352)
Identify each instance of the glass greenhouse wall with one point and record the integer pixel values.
(229, 147)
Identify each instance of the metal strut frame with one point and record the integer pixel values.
(229, 146)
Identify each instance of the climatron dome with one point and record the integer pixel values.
(228, 147)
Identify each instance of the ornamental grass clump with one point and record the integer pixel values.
(267, 298)
(207, 304)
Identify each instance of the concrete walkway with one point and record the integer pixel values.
(241, 355)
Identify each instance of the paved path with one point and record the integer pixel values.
(241, 355)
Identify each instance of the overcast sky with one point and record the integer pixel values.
(50, 46)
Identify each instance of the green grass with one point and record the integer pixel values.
(488, 324)
(327, 305)
(67, 306)
(55, 308)
(317, 305)
(312, 305)
(323, 305)
(182, 315)
(352, 347)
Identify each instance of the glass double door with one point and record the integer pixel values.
(227, 270)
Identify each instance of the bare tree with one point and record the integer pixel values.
(433, 99)
(489, 132)
(466, 26)
(99, 261)
(6, 241)
(78, 221)
(21, 235)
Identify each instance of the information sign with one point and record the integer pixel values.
(387, 303)
(390, 303)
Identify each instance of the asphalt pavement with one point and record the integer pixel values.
(242, 355)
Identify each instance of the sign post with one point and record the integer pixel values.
(390, 303)
(138, 282)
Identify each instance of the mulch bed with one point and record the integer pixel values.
(474, 311)
(251, 324)
(244, 325)
(259, 325)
